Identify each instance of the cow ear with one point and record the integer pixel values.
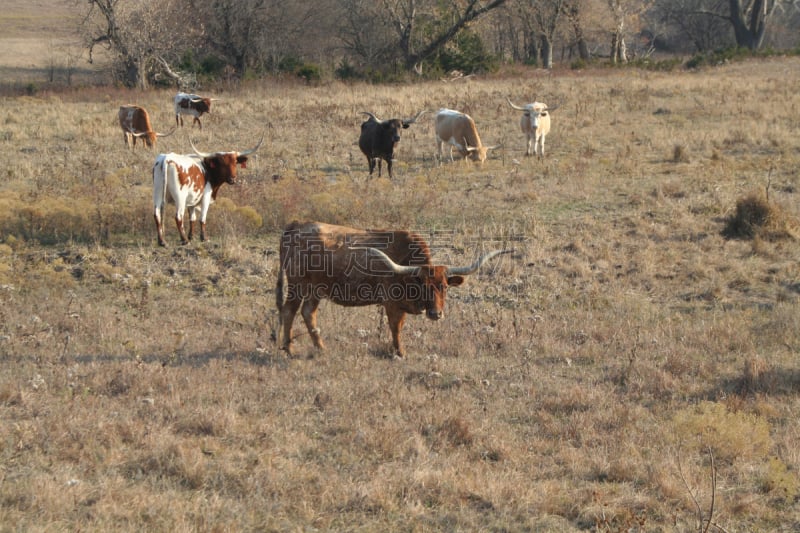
(406, 125)
(455, 281)
(242, 160)
(211, 163)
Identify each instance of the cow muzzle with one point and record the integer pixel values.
(434, 314)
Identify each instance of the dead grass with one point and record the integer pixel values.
(142, 389)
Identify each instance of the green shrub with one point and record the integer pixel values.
(309, 72)
(467, 54)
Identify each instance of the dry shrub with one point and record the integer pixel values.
(679, 154)
(780, 482)
(730, 435)
(757, 217)
(757, 376)
(454, 431)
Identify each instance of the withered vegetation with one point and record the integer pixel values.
(581, 383)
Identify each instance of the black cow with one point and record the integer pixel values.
(379, 137)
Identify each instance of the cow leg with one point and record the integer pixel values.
(192, 218)
(287, 314)
(541, 147)
(197, 119)
(309, 311)
(396, 319)
(389, 167)
(159, 228)
(179, 223)
(530, 144)
(371, 163)
(202, 231)
(380, 163)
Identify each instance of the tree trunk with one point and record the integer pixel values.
(547, 52)
(531, 49)
(619, 52)
(749, 33)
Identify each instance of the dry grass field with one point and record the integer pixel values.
(632, 366)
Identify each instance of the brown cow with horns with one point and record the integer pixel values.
(135, 124)
(354, 267)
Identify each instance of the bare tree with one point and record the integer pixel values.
(575, 13)
(626, 16)
(259, 34)
(749, 19)
(365, 33)
(442, 22)
(136, 33)
(689, 28)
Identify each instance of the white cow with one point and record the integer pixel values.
(535, 124)
(458, 130)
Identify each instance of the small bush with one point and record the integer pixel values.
(309, 72)
(780, 482)
(679, 154)
(347, 71)
(578, 64)
(730, 435)
(756, 217)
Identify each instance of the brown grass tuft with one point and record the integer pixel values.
(757, 217)
(680, 154)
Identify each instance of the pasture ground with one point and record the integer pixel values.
(627, 358)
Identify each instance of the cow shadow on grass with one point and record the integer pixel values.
(773, 381)
(195, 360)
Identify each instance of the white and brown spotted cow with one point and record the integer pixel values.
(192, 181)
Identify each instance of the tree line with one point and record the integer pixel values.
(175, 41)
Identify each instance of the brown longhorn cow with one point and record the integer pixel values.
(135, 124)
(355, 267)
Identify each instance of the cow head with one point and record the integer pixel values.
(533, 111)
(222, 165)
(426, 286)
(477, 154)
(392, 127)
(203, 105)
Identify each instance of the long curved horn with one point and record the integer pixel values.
(467, 147)
(165, 134)
(413, 120)
(196, 100)
(198, 152)
(518, 108)
(373, 117)
(256, 147)
(467, 270)
(393, 267)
